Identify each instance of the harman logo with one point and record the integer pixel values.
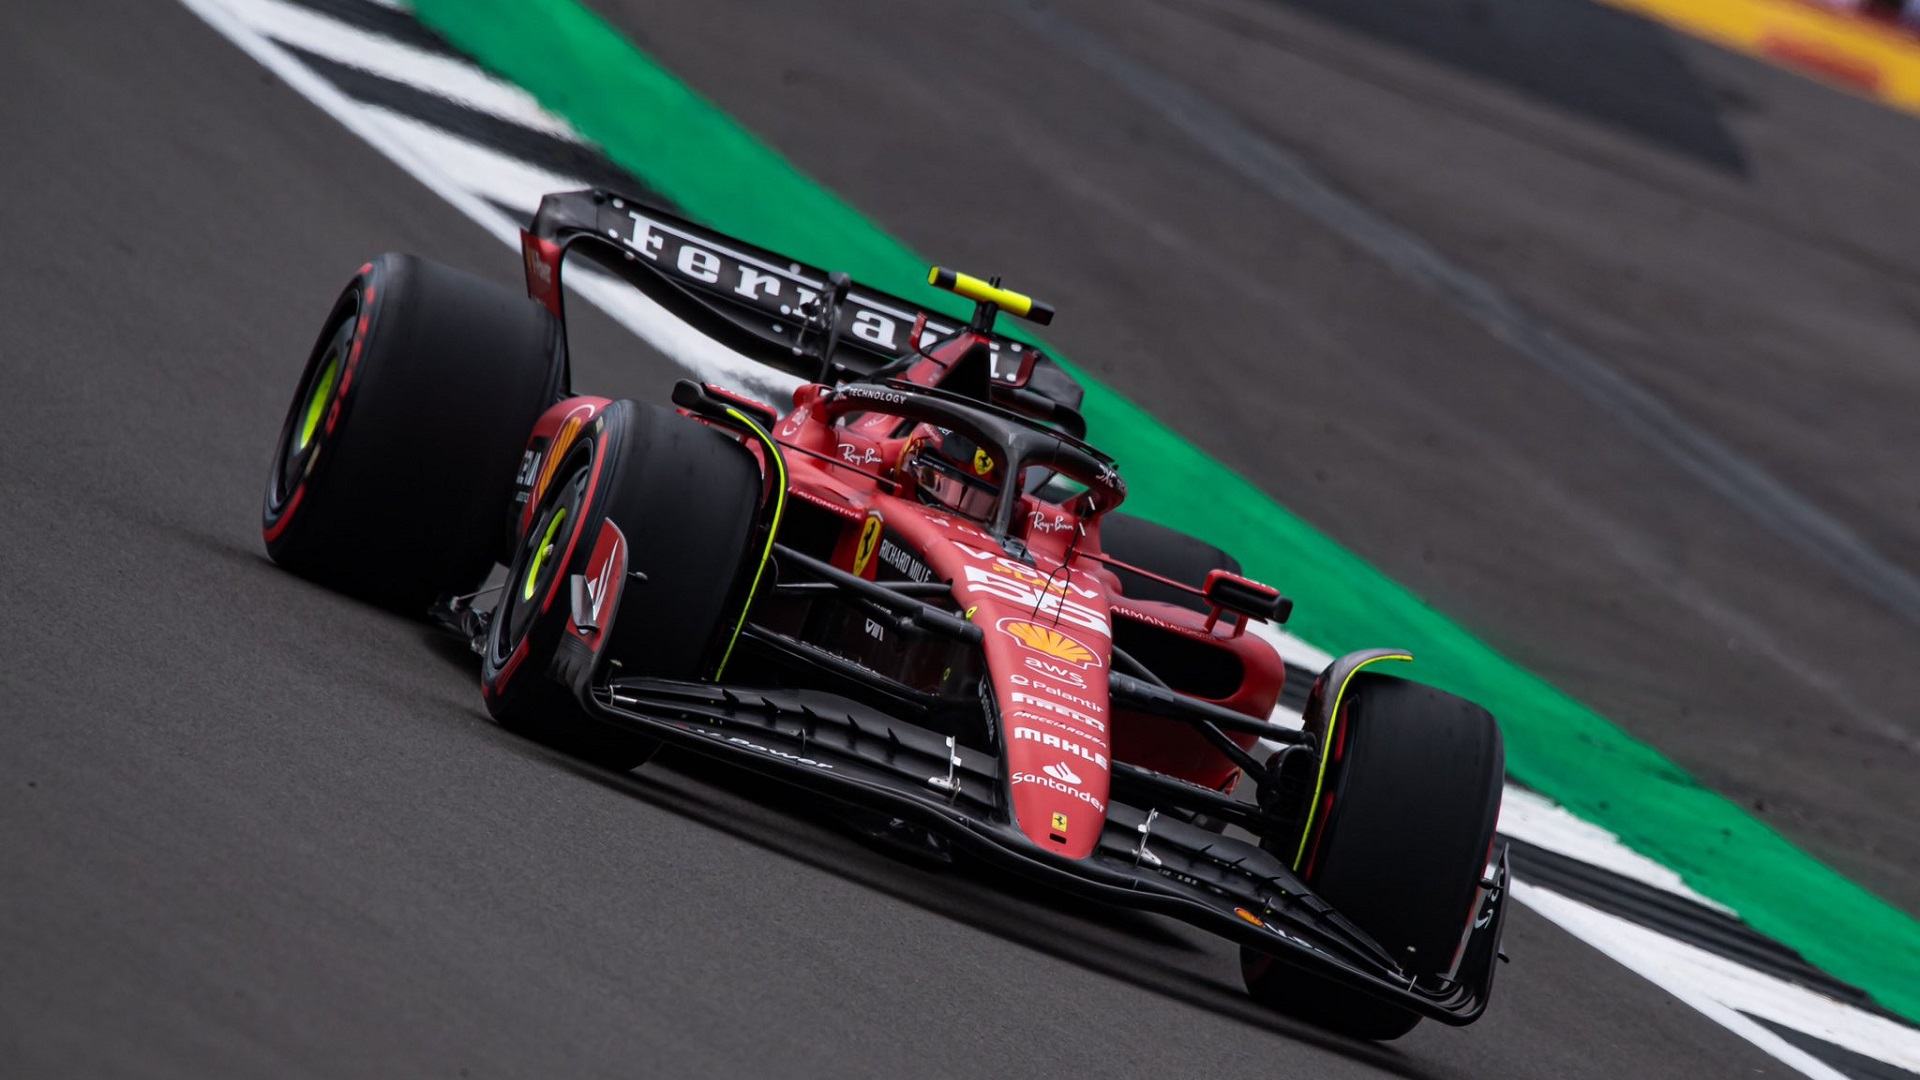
(1063, 772)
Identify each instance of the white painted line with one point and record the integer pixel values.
(477, 170)
(1541, 822)
(438, 75)
(1723, 989)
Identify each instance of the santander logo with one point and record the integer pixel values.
(1063, 773)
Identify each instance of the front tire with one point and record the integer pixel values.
(397, 456)
(1398, 843)
(683, 499)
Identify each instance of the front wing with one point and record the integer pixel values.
(857, 755)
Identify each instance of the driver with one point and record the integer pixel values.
(949, 470)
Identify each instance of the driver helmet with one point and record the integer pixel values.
(948, 469)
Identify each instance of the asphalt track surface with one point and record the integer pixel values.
(251, 827)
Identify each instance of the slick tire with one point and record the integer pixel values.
(683, 499)
(1163, 551)
(1414, 782)
(397, 458)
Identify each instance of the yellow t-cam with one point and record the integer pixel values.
(987, 292)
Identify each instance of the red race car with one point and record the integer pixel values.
(909, 592)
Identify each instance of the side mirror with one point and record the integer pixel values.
(1244, 596)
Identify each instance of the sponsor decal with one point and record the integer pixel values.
(1063, 672)
(1063, 772)
(903, 561)
(833, 506)
(523, 479)
(1042, 603)
(1053, 784)
(749, 280)
(1059, 581)
(859, 455)
(1050, 642)
(1066, 746)
(569, 428)
(982, 463)
(1057, 709)
(1042, 523)
(735, 740)
(795, 758)
(1086, 703)
(537, 267)
(1053, 722)
(861, 392)
(714, 265)
(1168, 625)
(529, 464)
(869, 543)
(1060, 823)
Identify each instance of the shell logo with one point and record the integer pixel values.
(1047, 641)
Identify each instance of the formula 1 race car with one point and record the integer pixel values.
(909, 592)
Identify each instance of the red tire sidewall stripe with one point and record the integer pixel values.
(272, 530)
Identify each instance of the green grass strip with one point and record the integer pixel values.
(688, 149)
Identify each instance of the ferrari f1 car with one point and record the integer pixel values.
(909, 591)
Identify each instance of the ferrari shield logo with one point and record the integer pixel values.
(1060, 823)
(869, 543)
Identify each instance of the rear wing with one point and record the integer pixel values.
(761, 304)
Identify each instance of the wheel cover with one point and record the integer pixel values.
(540, 560)
(309, 422)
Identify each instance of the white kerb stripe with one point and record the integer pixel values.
(439, 75)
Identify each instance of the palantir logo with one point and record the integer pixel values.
(1063, 773)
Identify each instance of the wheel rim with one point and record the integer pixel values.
(542, 554)
(306, 430)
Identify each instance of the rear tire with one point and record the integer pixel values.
(1415, 782)
(397, 457)
(685, 498)
(1163, 551)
